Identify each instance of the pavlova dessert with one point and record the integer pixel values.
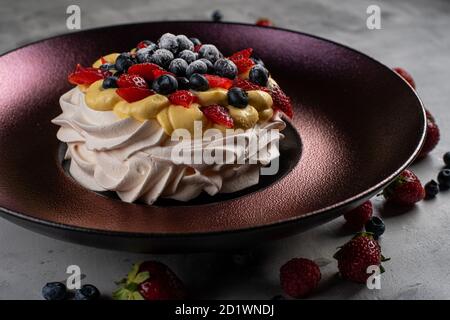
(132, 114)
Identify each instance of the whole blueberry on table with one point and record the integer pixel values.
(169, 42)
(123, 62)
(54, 291)
(376, 226)
(184, 43)
(188, 56)
(259, 75)
(183, 83)
(165, 84)
(237, 97)
(110, 82)
(198, 82)
(209, 52)
(178, 67)
(216, 16)
(447, 159)
(444, 178)
(197, 66)
(162, 57)
(431, 189)
(225, 68)
(87, 292)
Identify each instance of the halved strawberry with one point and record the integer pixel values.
(87, 75)
(248, 85)
(131, 81)
(156, 73)
(242, 60)
(182, 98)
(145, 70)
(133, 94)
(218, 82)
(197, 47)
(281, 101)
(218, 114)
(143, 44)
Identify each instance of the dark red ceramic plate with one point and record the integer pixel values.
(359, 124)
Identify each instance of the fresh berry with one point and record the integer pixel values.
(197, 48)
(259, 75)
(184, 43)
(242, 60)
(281, 101)
(151, 280)
(87, 292)
(107, 66)
(162, 57)
(144, 44)
(406, 75)
(188, 56)
(357, 255)
(133, 94)
(54, 291)
(123, 62)
(225, 68)
(209, 52)
(357, 218)
(218, 114)
(405, 190)
(168, 41)
(216, 16)
(198, 82)
(446, 158)
(247, 85)
(196, 41)
(183, 83)
(218, 82)
(145, 70)
(165, 84)
(376, 226)
(429, 116)
(257, 60)
(178, 67)
(209, 64)
(197, 66)
(145, 54)
(110, 82)
(87, 75)
(299, 277)
(131, 81)
(431, 189)
(431, 138)
(264, 22)
(182, 98)
(237, 97)
(444, 178)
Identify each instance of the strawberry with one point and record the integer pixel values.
(264, 22)
(87, 75)
(218, 114)
(131, 81)
(405, 190)
(429, 116)
(143, 44)
(359, 216)
(197, 47)
(156, 73)
(150, 280)
(247, 85)
(242, 60)
(144, 70)
(281, 101)
(299, 277)
(218, 82)
(405, 75)
(357, 255)
(133, 94)
(182, 98)
(431, 138)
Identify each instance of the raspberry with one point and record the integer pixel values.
(299, 277)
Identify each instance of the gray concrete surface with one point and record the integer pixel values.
(414, 35)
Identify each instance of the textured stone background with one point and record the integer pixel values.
(414, 35)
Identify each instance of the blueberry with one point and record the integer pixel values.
(184, 43)
(209, 64)
(217, 16)
(198, 82)
(225, 68)
(165, 84)
(431, 189)
(376, 226)
(259, 75)
(444, 178)
(237, 97)
(210, 52)
(183, 83)
(447, 159)
(169, 42)
(145, 54)
(87, 292)
(187, 56)
(257, 60)
(197, 66)
(54, 291)
(195, 41)
(178, 67)
(110, 82)
(162, 57)
(123, 62)
(107, 66)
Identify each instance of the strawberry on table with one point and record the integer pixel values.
(264, 22)
(432, 136)
(131, 81)
(405, 190)
(134, 94)
(299, 277)
(405, 75)
(182, 98)
(219, 115)
(358, 217)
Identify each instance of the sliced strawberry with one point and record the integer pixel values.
(218, 114)
(242, 60)
(247, 85)
(133, 94)
(197, 47)
(182, 98)
(156, 73)
(218, 82)
(281, 101)
(145, 70)
(243, 54)
(131, 81)
(143, 44)
(87, 75)
(103, 60)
